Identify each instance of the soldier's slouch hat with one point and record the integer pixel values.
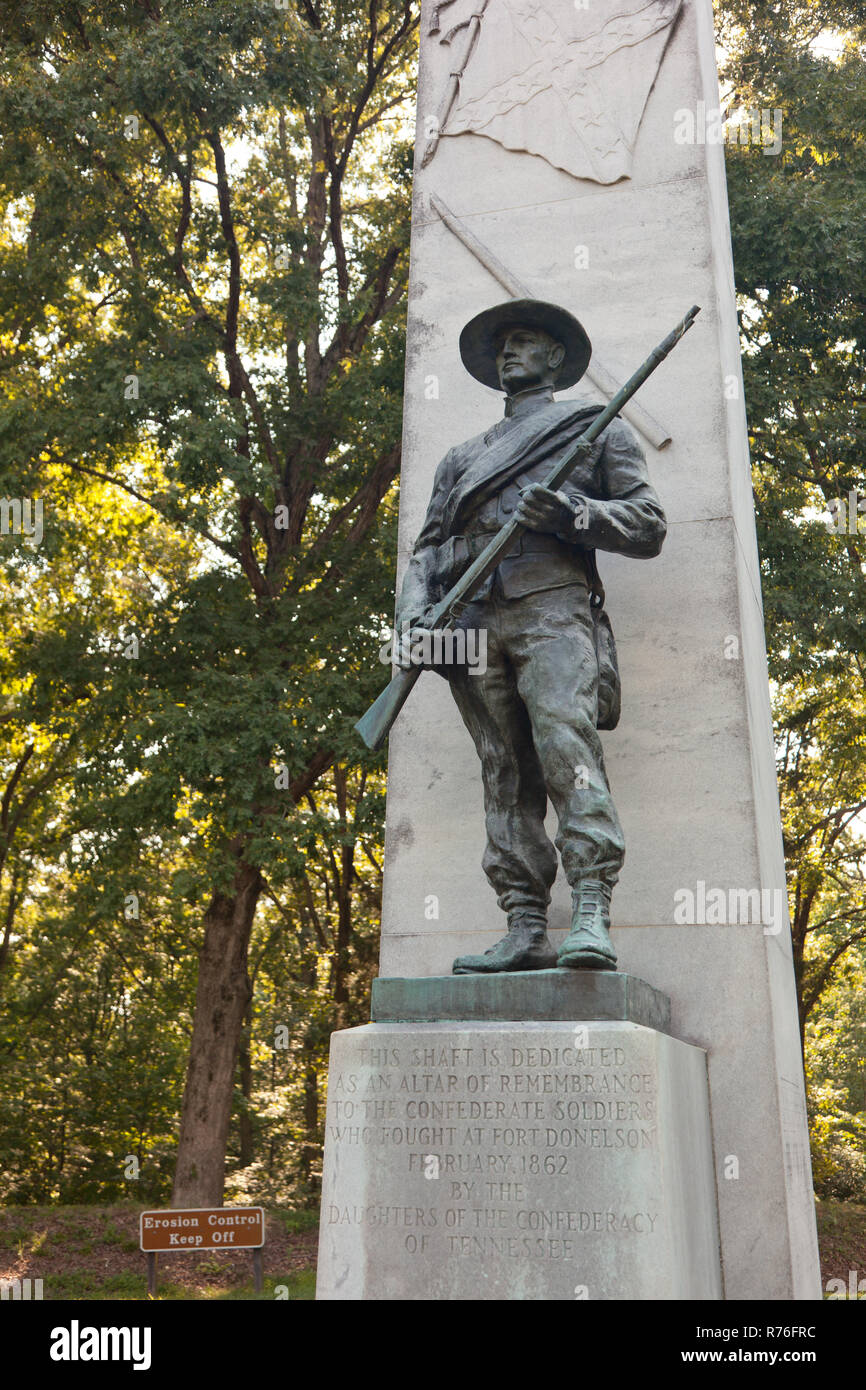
(478, 341)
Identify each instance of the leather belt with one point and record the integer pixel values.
(530, 543)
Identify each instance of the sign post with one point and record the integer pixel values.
(182, 1230)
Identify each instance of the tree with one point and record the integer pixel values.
(798, 235)
(205, 281)
(94, 969)
(313, 956)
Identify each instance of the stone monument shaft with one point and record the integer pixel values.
(563, 154)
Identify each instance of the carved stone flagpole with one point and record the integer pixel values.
(454, 77)
(651, 429)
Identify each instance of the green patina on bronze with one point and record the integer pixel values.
(542, 996)
(508, 548)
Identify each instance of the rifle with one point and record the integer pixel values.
(375, 725)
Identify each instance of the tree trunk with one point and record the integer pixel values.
(245, 1068)
(311, 1148)
(343, 892)
(222, 997)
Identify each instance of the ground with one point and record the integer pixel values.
(842, 1241)
(92, 1253)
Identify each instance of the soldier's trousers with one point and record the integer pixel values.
(532, 718)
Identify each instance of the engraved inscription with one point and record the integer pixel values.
(493, 1141)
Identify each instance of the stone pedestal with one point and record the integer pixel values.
(540, 1159)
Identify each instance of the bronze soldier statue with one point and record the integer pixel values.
(535, 711)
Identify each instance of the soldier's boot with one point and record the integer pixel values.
(588, 945)
(526, 947)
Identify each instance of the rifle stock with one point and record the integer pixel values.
(375, 725)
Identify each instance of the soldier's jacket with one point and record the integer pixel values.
(478, 485)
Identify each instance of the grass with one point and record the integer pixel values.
(122, 1288)
(842, 1240)
(296, 1222)
(92, 1254)
(117, 1287)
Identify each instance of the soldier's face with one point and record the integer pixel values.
(526, 357)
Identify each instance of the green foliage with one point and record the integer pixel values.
(836, 1073)
(203, 267)
(799, 234)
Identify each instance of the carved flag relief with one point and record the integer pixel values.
(544, 77)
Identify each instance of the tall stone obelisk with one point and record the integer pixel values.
(565, 151)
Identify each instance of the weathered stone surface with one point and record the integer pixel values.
(722, 979)
(538, 995)
(691, 766)
(530, 1161)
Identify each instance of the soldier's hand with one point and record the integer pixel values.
(542, 510)
(417, 638)
(411, 643)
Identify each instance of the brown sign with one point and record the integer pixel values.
(210, 1228)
